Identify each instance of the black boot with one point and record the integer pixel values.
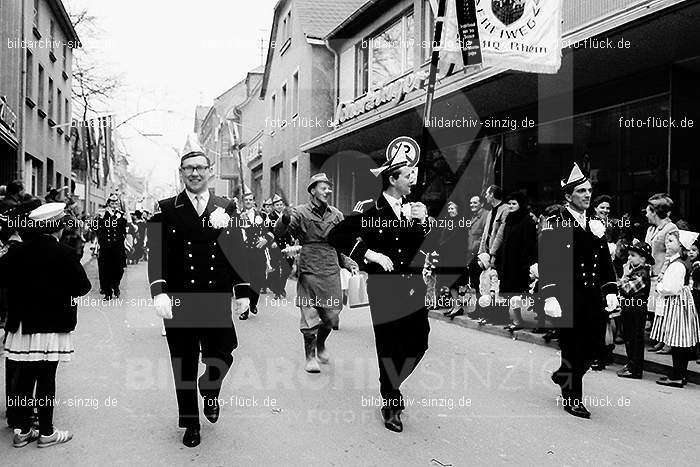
(321, 352)
(311, 365)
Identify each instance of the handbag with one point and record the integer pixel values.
(357, 291)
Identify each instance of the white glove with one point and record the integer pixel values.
(613, 303)
(382, 260)
(552, 307)
(163, 306)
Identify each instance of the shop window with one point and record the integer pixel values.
(386, 55)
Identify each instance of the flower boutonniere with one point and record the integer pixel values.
(597, 228)
(219, 219)
(258, 220)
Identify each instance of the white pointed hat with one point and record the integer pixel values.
(392, 165)
(687, 238)
(192, 148)
(575, 178)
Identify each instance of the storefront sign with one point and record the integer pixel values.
(522, 35)
(393, 92)
(7, 116)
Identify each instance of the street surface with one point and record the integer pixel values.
(476, 399)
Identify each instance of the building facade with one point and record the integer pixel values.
(50, 38)
(620, 67)
(297, 91)
(10, 89)
(216, 133)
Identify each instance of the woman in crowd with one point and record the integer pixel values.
(658, 213)
(452, 247)
(681, 329)
(40, 321)
(518, 253)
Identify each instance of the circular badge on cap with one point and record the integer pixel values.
(404, 147)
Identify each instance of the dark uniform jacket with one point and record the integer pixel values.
(41, 276)
(111, 232)
(195, 263)
(576, 268)
(397, 298)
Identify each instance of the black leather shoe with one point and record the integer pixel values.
(629, 374)
(243, 316)
(211, 409)
(674, 383)
(117, 293)
(192, 437)
(254, 310)
(392, 420)
(598, 366)
(577, 410)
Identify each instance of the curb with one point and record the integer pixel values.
(525, 335)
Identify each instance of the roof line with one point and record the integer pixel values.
(60, 12)
(350, 19)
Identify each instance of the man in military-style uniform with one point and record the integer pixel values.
(388, 238)
(111, 261)
(196, 259)
(577, 281)
(281, 266)
(257, 237)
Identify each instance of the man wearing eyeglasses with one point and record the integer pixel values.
(196, 260)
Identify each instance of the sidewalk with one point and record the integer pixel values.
(653, 363)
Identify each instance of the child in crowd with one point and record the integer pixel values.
(488, 289)
(681, 328)
(634, 289)
(694, 259)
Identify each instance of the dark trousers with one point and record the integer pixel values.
(277, 279)
(43, 375)
(110, 270)
(11, 392)
(579, 347)
(216, 346)
(681, 356)
(633, 322)
(393, 371)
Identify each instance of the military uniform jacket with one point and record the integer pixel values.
(196, 263)
(399, 294)
(111, 232)
(576, 268)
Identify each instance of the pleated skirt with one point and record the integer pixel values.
(679, 327)
(51, 347)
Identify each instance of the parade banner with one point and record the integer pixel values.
(522, 35)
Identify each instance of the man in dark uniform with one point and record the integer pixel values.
(388, 238)
(111, 261)
(256, 237)
(281, 266)
(196, 260)
(578, 284)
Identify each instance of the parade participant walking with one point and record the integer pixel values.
(576, 277)
(634, 288)
(256, 239)
(281, 266)
(42, 316)
(319, 296)
(196, 259)
(111, 260)
(681, 328)
(389, 237)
